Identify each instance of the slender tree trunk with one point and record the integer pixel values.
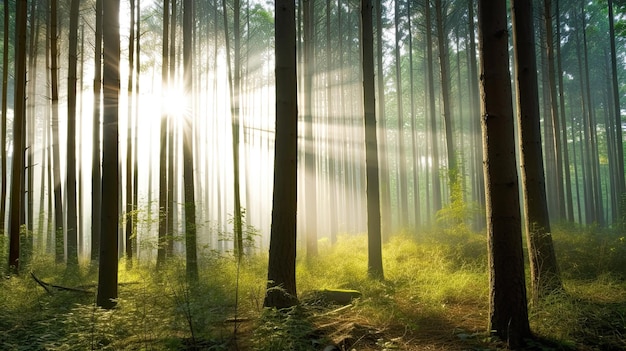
(188, 176)
(374, 248)
(107, 274)
(566, 160)
(619, 157)
(385, 192)
(402, 179)
(3, 122)
(508, 314)
(17, 172)
(414, 150)
(163, 206)
(72, 222)
(436, 184)
(56, 159)
(310, 174)
(96, 172)
(446, 102)
(544, 272)
(281, 274)
(130, 213)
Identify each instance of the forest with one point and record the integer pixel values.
(313, 175)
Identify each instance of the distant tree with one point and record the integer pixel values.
(53, 33)
(544, 272)
(188, 176)
(72, 222)
(508, 314)
(310, 174)
(281, 276)
(107, 274)
(130, 205)
(234, 80)
(374, 248)
(432, 112)
(619, 157)
(3, 122)
(96, 171)
(19, 111)
(441, 13)
(385, 192)
(163, 206)
(403, 188)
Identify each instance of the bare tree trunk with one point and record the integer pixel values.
(508, 313)
(107, 273)
(544, 272)
(402, 179)
(163, 193)
(436, 183)
(56, 160)
(72, 222)
(96, 173)
(188, 176)
(281, 274)
(130, 213)
(3, 122)
(17, 172)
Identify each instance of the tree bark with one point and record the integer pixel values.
(544, 272)
(96, 171)
(188, 164)
(72, 222)
(107, 273)
(374, 246)
(508, 314)
(281, 274)
(17, 172)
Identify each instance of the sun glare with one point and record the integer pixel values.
(175, 102)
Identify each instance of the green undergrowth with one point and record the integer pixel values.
(434, 296)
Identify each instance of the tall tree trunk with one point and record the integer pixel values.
(508, 314)
(96, 171)
(107, 273)
(56, 159)
(130, 213)
(310, 174)
(72, 222)
(554, 113)
(163, 206)
(544, 272)
(414, 151)
(432, 115)
(385, 192)
(402, 179)
(619, 157)
(281, 274)
(566, 160)
(17, 172)
(374, 248)
(188, 177)
(3, 122)
(446, 102)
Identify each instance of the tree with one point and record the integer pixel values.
(310, 174)
(163, 207)
(107, 274)
(402, 172)
(59, 241)
(544, 272)
(508, 314)
(96, 172)
(3, 122)
(188, 178)
(72, 223)
(17, 172)
(374, 248)
(281, 276)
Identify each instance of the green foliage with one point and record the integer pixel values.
(288, 329)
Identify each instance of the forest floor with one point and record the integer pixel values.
(434, 297)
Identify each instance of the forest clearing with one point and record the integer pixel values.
(433, 298)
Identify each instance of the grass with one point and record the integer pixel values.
(434, 297)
